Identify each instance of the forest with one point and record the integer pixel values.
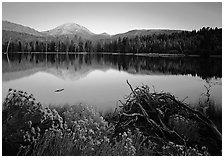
(204, 42)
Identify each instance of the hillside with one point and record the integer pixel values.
(71, 37)
(143, 32)
(70, 30)
(9, 26)
(19, 36)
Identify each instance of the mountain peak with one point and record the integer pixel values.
(105, 34)
(69, 29)
(70, 25)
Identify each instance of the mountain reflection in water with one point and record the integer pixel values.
(100, 79)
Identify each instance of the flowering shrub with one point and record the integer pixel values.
(24, 121)
(74, 130)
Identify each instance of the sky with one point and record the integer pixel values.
(113, 18)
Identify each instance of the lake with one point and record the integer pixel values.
(100, 79)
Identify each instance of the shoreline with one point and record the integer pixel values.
(131, 54)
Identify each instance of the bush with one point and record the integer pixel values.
(31, 129)
(24, 121)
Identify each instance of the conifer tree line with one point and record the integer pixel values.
(206, 41)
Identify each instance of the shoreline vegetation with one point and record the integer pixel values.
(147, 123)
(204, 42)
(110, 53)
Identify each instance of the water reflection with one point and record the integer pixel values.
(203, 67)
(100, 80)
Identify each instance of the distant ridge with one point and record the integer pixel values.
(143, 32)
(9, 26)
(18, 31)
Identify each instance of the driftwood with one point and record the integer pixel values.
(59, 90)
(161, 116)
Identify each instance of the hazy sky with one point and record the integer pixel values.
(115, 17)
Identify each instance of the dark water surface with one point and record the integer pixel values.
(100, 80)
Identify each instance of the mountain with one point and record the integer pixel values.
(70, 29)
(9, 26)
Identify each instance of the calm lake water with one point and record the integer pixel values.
(100, 80)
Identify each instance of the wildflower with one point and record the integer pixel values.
(101, 119)
(69, 130)
(95, 124)
(33, 130)
(29, 123)
(78, 126)
(203, 148)
(91, 131)
(129, 140)
(124, 134)
(83, 138)
(97, 142)
(132, 150)
(106, 139)
(81, 121)
(171, 143)
(86, 120)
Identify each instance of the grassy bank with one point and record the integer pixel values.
(148, 123)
